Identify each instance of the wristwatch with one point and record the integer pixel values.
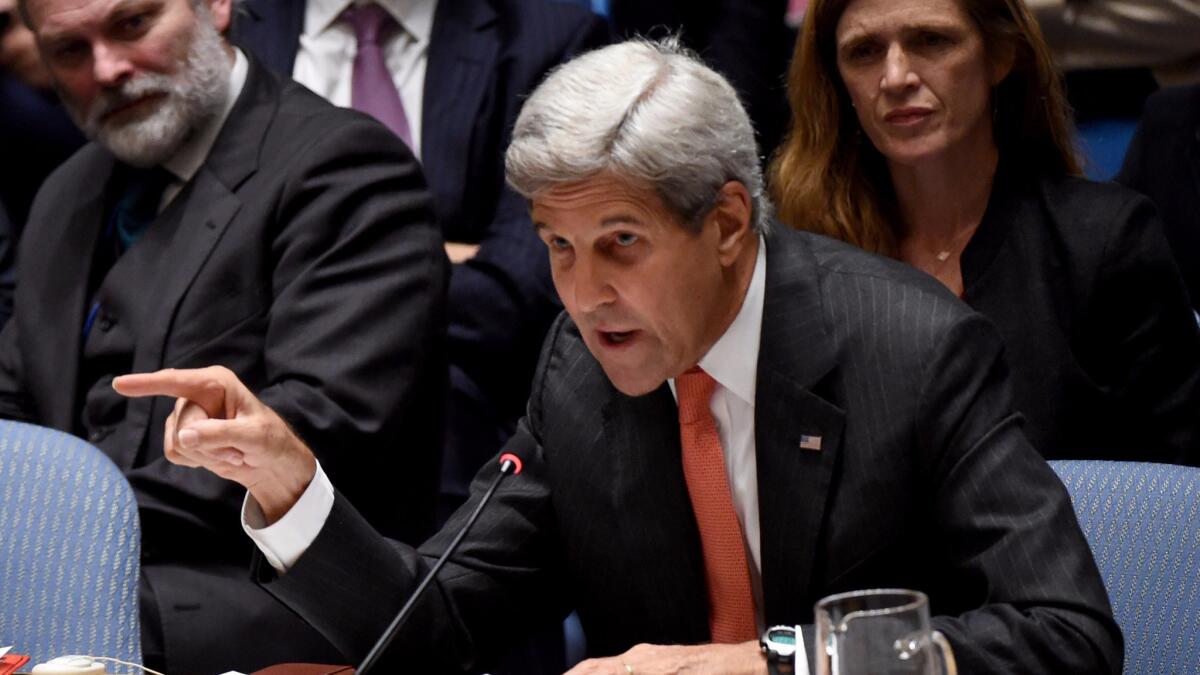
(779, 646)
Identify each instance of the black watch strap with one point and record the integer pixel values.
(778, 667)
(781, 659)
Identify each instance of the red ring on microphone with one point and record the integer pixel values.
(509, 457)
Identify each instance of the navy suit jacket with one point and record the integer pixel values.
(484, 57)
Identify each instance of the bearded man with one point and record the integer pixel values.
(222, 215)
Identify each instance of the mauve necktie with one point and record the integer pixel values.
(726, 572)
(372, 89)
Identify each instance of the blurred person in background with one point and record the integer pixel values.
(1115, 54)
(448, 77)
(36, 134)
(935, 132)
(747, 41)
(1163, 163)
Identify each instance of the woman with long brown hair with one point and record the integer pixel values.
(936, 132)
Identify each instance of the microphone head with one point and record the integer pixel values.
(517, 465)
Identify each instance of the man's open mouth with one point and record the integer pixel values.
(614, 338)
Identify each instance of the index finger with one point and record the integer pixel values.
(202, 386)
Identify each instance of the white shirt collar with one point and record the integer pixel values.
(415, 16)
(733, 360)
(187, 160)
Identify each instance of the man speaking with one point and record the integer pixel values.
(729, 422)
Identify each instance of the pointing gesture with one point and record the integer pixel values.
(219, 425)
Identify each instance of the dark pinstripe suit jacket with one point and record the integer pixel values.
(924, 480)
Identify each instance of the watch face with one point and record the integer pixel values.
(782, 636)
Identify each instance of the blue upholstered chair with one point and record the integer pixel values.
(1104, 142)
(69, 548)
(1143, 524)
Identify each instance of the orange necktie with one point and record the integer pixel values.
(730, 600)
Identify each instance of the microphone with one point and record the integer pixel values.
(510, 465)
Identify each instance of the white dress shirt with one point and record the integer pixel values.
(188, 159)
(732, 362)
(325, 59)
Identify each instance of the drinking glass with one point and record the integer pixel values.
(879, 632)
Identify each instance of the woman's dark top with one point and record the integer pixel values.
(1100, 336)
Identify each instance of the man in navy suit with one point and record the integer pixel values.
(462, 69)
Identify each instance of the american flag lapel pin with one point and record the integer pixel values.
(810, 442)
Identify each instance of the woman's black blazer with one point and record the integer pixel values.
(1101, 339)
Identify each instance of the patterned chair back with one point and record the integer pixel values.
(1143, 524)
(69, 548)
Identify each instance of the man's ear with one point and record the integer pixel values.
(733, 215)
(222, 14)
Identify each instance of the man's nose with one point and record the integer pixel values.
(110, 66)
(592, 287)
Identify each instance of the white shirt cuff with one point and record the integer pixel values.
(800, 667)
(283, 542)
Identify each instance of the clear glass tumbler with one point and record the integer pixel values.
(879, 632)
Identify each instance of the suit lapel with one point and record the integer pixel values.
(463, 52)
(185, 236)
(193, 224)
(798, 433)
(67, 307)
(271, 29)
(660, 537)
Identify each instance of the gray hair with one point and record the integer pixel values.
(646, 111)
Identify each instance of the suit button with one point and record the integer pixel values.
(106, 323)
(98, 435)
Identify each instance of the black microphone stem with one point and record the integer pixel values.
(507, 468)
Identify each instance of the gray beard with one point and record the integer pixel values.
(193, 96)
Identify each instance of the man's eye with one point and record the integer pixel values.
(132, 25)
(69, 52)
(559, 244)
(626, 239)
